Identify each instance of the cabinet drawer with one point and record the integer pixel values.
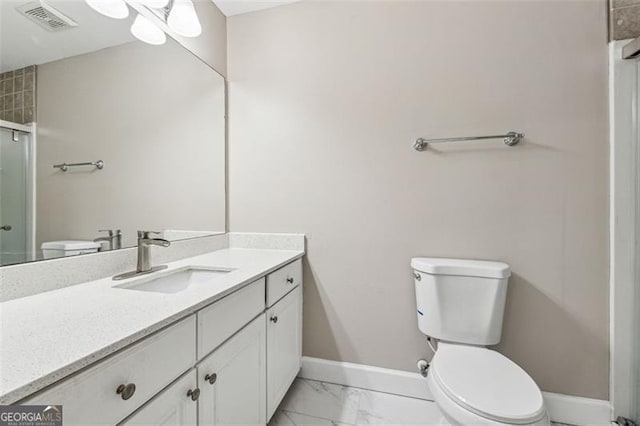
(91, 397)
(225, 317)
(283, 281)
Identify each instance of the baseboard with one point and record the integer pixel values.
(365, 377)
(568, 409)
(576, 410)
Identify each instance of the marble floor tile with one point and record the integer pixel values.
(310, 402)
(287, 418)
(383, 408)
(323, 400)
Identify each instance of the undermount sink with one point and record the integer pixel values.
(176, 280)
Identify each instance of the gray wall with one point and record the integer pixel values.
(141, 110)
(325, 101)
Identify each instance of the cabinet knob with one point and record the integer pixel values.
(274, 319)
(194, 394)
(211, 378)
(126, 391)
(290, 280)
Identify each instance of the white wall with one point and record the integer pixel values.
(326, 99)
(155, 116)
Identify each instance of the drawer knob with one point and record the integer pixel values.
(290, 280)
(194, 394)
(126, 391)
(274, 319)
(211, 378)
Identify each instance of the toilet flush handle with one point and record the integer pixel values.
(417, 276)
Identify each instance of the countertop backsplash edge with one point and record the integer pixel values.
(27, 279)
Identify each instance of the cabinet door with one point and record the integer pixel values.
(233, 379)
(175, 406)
(284, 347)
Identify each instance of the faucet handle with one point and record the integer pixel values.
(146, 234)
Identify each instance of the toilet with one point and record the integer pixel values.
(461, 303)
(53, 249)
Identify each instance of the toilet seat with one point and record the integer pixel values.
(487, 383)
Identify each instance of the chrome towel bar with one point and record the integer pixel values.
(65, 166)
(510, 139)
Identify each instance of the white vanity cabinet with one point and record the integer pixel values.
(232, 379)
(231, 362)
(175, 406)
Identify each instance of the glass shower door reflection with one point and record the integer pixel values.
(14, 150)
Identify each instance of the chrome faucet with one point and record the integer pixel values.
(144, 255)
(144, 251)
(114, 238)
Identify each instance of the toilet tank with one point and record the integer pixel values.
(459, 300)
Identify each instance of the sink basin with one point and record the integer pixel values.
(176, 280)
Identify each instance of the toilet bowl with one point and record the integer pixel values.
(461, 303)
(478, 386)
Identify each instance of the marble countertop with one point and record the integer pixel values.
(48, 336)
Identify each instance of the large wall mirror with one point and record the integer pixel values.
(101, 134)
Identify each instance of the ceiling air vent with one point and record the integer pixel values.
(46, 16)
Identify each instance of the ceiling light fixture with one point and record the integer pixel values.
(145, 30)
(116, 9)
(183, 19)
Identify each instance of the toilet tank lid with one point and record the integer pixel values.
(464, 267)
(68, 245)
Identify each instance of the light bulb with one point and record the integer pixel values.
(183, 19)
(155, 4)
(112, 8)
(145, 30)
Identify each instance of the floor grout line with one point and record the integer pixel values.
(374, 391)
(358, 407)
